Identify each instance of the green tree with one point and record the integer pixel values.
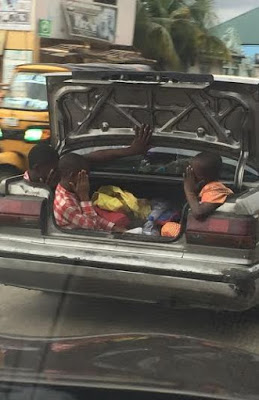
(176, 32)
(152, 38)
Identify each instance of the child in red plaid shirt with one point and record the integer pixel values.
(72, 206)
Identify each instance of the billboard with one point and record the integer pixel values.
(90, 20)
(16, 15)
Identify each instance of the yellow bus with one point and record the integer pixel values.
(24, 117)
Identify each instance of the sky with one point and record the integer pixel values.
(227, 9)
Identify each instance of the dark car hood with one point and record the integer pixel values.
(166, 363)
(201, 112)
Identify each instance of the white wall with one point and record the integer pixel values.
(126, 22)
(51, 9)
(126, 15)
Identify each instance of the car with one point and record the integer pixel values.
(213, 263)
(129, 366)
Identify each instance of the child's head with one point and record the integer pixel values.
(69, 167)
(42, 159)
(207, 166)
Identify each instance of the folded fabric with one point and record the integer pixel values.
(171, 229)
(113, 198)
(119, 219)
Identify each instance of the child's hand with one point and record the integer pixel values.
(82, 187)
(141, 143)
(190, 181)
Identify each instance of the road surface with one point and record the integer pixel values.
(24, 312)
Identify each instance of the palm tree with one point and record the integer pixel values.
(176, 32)
(203, 15)
(152, 38)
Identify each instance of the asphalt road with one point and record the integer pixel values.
(24, 312)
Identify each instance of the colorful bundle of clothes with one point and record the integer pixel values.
(115, 204)
(140, 216)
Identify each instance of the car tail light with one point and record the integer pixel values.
(21, 211)
(222, 231)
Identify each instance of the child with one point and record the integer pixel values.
(203, 172)
(41, 175)
(43, 162)
(72, 206)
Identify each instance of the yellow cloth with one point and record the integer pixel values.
(113, 198)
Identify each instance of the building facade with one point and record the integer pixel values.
(242, 31)
(28, 25)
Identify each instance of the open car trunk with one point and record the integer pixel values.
(191, 112)
(233, 225)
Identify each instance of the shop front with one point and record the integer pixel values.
(18, 41)
(70, 27)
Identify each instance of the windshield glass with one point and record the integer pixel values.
(27, 92)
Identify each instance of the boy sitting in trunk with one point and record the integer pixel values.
(72, 206)
(41, 175)
(202, 188)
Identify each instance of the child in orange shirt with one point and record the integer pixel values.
(204, 171)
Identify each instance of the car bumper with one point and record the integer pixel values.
(235, 289)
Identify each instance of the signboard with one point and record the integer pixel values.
(12, 58)
(16, 15)
(44, 27)
(90, 20)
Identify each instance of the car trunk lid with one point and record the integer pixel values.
(194, 111)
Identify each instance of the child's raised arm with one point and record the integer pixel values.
(140, 145)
